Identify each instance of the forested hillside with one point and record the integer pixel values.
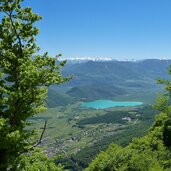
(151, 152)
(118, 73)
(117, 80)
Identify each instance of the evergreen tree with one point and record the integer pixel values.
(24, 78)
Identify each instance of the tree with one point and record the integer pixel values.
(24, 78)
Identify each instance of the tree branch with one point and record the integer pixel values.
(40, 139)
(41, 136)
(15, 30)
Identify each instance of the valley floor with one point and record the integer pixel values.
(78, 134)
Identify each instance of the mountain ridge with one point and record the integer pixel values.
(94, 80)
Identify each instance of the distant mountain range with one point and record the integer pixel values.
(110, 79)
(85, 59)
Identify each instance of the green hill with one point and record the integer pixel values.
(95, 92)
(56, 98)
(118, 73)
(117, 80)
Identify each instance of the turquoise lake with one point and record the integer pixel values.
(103, 104)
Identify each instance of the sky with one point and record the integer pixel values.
(119, 29)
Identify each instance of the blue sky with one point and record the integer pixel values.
(119, 29)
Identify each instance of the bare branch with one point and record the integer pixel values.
(40, 139)
(41, 136)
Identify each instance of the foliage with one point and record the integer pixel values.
(36, 161)
(146, 153)
(151, 152)
(24, 77)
